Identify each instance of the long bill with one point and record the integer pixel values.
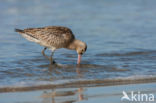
(79, 59)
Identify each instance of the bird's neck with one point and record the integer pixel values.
(73, 45)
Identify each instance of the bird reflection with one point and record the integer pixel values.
(63, 95)
(80, 90)
(67, 95)
(81, 95)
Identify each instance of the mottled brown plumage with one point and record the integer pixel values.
(51, 36)
(54, 37)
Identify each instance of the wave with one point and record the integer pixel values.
(134, 53)
(72, 83)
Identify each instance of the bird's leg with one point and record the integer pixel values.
(44, 50)
(44, 53)
(51, 58)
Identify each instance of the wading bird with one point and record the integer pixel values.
(54, 37)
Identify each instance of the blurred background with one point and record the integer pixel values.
(120, 35)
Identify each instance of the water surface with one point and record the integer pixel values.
(120, 37)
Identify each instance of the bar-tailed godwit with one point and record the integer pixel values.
(54, 37)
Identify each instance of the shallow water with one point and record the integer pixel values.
(120, 37)
(111, 94)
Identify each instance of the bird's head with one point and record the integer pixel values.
(81, 48)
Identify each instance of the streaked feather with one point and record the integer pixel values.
(50, 36)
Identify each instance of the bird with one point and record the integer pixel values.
(53, 38)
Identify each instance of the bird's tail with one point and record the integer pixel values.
(19, 30)
(27, 35)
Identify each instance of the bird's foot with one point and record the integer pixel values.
(52, 61)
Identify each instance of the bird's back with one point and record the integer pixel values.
(50, 36)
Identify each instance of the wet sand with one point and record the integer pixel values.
(98, 94)
(79, 83)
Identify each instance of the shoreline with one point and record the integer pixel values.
(81, 83)
(101, 94)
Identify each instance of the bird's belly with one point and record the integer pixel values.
(48, 46)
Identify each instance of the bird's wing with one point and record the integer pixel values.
(51, 35)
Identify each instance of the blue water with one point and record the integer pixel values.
(120, 36)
